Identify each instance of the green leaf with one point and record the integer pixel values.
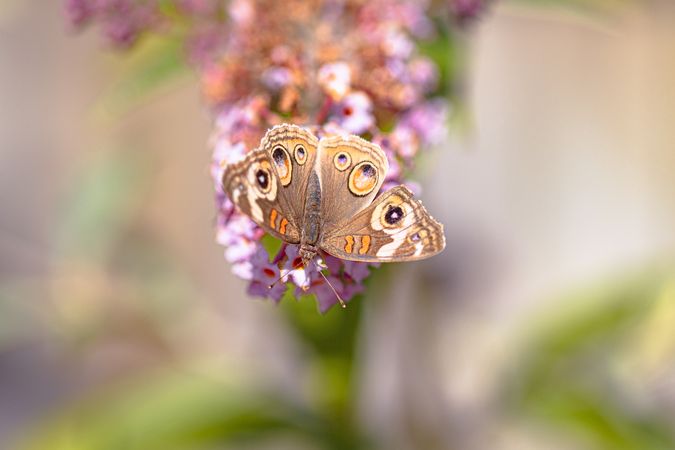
(271, 245)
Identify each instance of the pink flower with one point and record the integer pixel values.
(199, 7)
(243, 269)
(239, 235)
(78, 11)
(301, 276)
(385, 142)
(276, 77)
(203, 45)
(466, 10)
(242, 12)
(122, 21)
(325, 297)
(428, 120)
(356, 271)
(424, 74)
(263, 275)
(332, 128)
(335, 79)
(405, 141)
(397, 44)
(345, 277)
(394, 171)
(355, 113)
(229, 153)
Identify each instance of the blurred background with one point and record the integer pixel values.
(548, 321)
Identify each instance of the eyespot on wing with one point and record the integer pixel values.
(363, 179)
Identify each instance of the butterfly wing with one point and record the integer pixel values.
(351, 171)
(255, 188)
(395, 227)
(269, 184)
(292, 151)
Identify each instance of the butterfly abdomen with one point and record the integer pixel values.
(312, 214)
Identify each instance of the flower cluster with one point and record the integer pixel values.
(238, 129)
(122, 21)
(465, 11)
(201, 24)
(346, 67)
(333, 66)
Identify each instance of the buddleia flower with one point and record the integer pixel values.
(333, 67)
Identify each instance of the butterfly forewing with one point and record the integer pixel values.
(292, 151)
(254, 187)
(395, 227)
(352, 171)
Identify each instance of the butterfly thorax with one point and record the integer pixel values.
(311, 230)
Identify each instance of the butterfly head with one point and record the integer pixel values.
(307, 253)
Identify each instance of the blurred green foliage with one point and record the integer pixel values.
(576, 372)
(104, 197)
(150, 68)
(170, 411)
(166, 410)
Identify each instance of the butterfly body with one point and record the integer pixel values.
(311, 230)
(321, 194)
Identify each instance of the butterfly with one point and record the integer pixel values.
(321, 194)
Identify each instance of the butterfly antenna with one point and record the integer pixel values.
(342, 302)
(278, 280)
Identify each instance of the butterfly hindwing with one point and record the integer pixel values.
(395, 227)
(352, 171)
